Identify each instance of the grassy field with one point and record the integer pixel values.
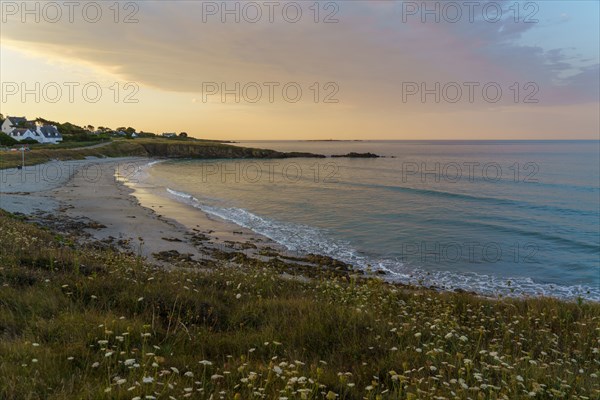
(96, 324)
(42, 154)
(143, 147)
(77, 151)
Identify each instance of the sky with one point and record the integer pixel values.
(308, 70)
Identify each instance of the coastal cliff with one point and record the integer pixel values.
(144, 148)
(214, 151)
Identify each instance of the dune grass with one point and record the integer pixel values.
(96, 324)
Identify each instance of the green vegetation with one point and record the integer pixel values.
(6, 140)
(41, 153)
(96, 324)
(76, 137)
(146, 147)
(85, 137)
(44, 153)
(27, 142)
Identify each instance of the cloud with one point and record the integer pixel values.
(370, 53)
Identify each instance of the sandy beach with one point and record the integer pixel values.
(99, 198)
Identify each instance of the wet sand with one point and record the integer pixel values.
(99, 194)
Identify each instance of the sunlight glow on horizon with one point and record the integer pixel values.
(353, 76)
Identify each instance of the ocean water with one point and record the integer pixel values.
(507, 218)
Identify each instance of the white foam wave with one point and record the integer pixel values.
(135, 174)
(306, 239)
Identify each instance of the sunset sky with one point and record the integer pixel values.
(178, 53)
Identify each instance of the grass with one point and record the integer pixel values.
(42, 154)
(96, 324)
(66, 145)
(142, 147)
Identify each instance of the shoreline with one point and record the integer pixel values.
(98, 201)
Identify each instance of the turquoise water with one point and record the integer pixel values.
(510, 218)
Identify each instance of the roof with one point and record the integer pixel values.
(20, 131)
(50, 131)
(17, 120)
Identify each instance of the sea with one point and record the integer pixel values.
(500, 218)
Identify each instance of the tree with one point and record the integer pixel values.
(45, 121)
(2, 118)
(70, 129)
(90, 127)
(121, 128)
(183, 135)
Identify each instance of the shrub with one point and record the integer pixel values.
(6, 140)
(28, 141)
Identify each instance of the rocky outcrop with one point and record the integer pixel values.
(357, 155)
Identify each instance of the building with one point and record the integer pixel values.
(169, 134)
(22, 134)
(11, 123)
(19, 128)
(49, 134)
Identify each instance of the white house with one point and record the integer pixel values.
(11, 123)
(20, 129)
(23, 133)
(48, 134)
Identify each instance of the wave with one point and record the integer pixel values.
(306, 239)
(134, 174)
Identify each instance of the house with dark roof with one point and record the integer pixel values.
(11, 123)
(22, 134)
(19, 128)
(49, 134)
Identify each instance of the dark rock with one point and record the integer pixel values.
(357, 155)
(172, 255)
(171, 239)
